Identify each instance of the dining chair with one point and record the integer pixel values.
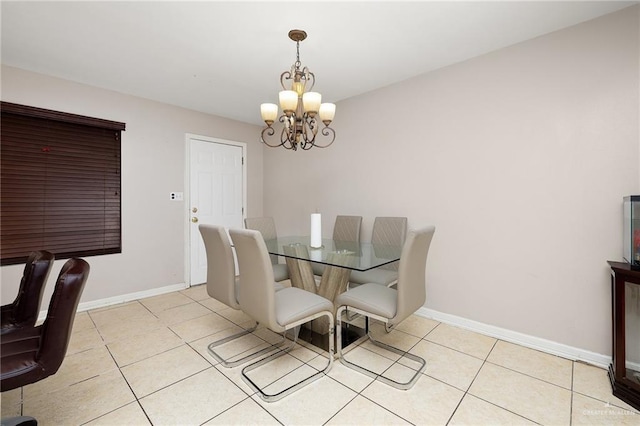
(24, 310)
(34, 353)
(345, 229)
(391, 305)
(222, 285)
(387, 231)
(279, 311)
(267, 227)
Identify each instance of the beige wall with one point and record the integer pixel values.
(520, 158)
(153, 165)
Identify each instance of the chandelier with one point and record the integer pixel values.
(301, 108)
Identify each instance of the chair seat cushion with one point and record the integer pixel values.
(280, 272)
(373, 298)
(376, 276)
(294, 304)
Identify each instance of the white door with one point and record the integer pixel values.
(216, 186)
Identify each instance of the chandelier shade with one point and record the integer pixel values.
(300, 107)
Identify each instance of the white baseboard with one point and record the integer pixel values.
(101, 303)
(543, 345)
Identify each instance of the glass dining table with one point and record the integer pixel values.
(337, 260)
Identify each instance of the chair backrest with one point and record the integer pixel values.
(56, 329)
(411, 285)
(25, 308)
(221, 268)
(390, 231)
(347, 228)
(267, 228)
(256, 291)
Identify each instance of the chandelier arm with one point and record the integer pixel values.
(310, 78)
(285, 76)
(329, 132)
(268, 131)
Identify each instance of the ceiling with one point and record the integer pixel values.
(225, 58)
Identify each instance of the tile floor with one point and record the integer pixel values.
(146, 362)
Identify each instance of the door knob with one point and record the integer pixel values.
(194, 219)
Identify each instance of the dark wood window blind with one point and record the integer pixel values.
(59, 184)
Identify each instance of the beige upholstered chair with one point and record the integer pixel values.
(386, 231)
(345, 229)
(267, 228)
(391, 305)
(279, 311)
(222, 285)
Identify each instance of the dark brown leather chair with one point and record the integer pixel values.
(32, 354)
(24, 310)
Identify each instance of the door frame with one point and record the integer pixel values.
(187, 190)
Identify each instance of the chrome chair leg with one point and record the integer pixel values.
(227, 362)
(398, 385)
(279, 395)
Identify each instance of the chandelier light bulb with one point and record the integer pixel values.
(311, 103)
(288, 101)
(269, 113)
(327, 112)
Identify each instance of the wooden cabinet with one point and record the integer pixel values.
(624, 371)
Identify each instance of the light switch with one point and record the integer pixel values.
(176, 196)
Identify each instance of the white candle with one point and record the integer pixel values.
(316, 230)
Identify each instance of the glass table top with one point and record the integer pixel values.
(346, 254)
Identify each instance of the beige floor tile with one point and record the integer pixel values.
(417, 325)
(134, 349)
(428, 402)
(531, 398)
(283, 369)
(342, 374)
(124, 322)
(74, 369)
(473, 411)
(121, 312)
(82, 321)
(11, 403)
(81, 402)
(174, 365)
(452, 367)
(462, 340)
(361, 411)
(196, 292)
(589, 411)
(549, 368)
(372, 361)
(313, 404)
(396, 338)
(195, 400)
(248, 412)
(235, 376)
(200, 327)
(166, 301)
(230, 351)
(594, 382)
(84, 339)
(236, 316)
(182, 313)
(129, 415)
(212, 304)
(297, 375)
